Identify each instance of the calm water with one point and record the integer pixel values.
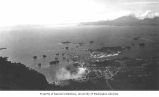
(25, 42)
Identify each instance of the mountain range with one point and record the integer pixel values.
(126, 21)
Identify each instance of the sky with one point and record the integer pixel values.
(52, 12)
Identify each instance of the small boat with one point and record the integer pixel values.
(2, 48)
(66, 42)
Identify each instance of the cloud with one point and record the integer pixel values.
(146, 14)
(140, 3)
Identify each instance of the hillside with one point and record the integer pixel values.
(16, 76)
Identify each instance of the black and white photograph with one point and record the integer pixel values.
(79, 45)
